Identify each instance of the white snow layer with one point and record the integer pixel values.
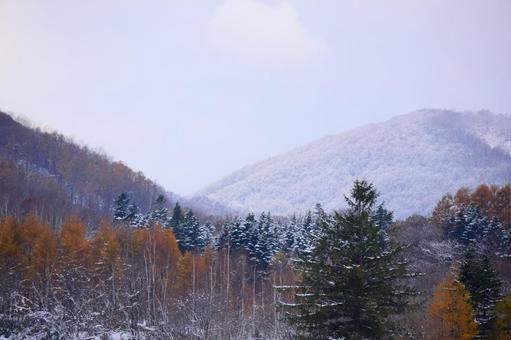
(412, 159)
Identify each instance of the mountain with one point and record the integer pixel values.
(49, 175)
(413, 160)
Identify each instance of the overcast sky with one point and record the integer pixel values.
(188, 91)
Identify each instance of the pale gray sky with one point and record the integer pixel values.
(188, 91)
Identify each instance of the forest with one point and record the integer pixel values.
(353, 273)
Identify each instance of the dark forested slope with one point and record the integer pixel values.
(49, 175)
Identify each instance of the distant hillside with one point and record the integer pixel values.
(413, 159)
(51, 176)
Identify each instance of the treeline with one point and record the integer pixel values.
(491, 201)
(50, 176)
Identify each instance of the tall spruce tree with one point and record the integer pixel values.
(121, 207)
(495, 240)
(291, 235)
(238, 231)
(176, 222)
(484, 286)
(469, 225)
(266, 245)
(190, 233)
(177, 216)
(159, 213)
(304, 237)
(353, 278)
(382, 217)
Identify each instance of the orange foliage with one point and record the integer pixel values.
(38, 247)
(73, 242)
(451, 315)
(9, 246)
(493, 201)
(185, 275)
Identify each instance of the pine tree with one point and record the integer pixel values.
(469, 225)
(206, 237)
(450, 312)
(495, 241)
(484, 286)
(352, 280)
(121, 207)
(177, 216)
(382, 217)
(159, 214)
(238, 231)
(191, 232)
(265, 246)
(304, 236)
(292, 230)
(176, 222)
(133, 212)
(248, 236)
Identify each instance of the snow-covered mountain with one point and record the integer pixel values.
(413, 160)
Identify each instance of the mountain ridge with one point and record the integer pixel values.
(480, 139)
(49, 175)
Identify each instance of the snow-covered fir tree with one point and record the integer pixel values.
(353, 279)
(473, 229)
(159, 213)
(481, 280)
(177, 216)
(291, 235)
(304, 236)
(469, 224)
(121, 207)
(239, 233)
(265, 240)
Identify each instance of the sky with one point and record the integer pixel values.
(189, 91)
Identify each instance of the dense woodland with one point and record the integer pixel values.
(91, 249)
(252, 276)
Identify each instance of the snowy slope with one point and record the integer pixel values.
(413, 159)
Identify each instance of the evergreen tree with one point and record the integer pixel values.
(484, 286)
(495, 241)
(469, 225)
(291, 235)
(249, 233)
(238, 231)
(125, 210)
(352, 280)
(191, 233)
(177, 216)
(122, 207)
(133, 212)
(206, 236)
(224, 239)
(304, 237)
(159, 213)
(176, 222)
(252, 240)
(382, 217)
(265, 245)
